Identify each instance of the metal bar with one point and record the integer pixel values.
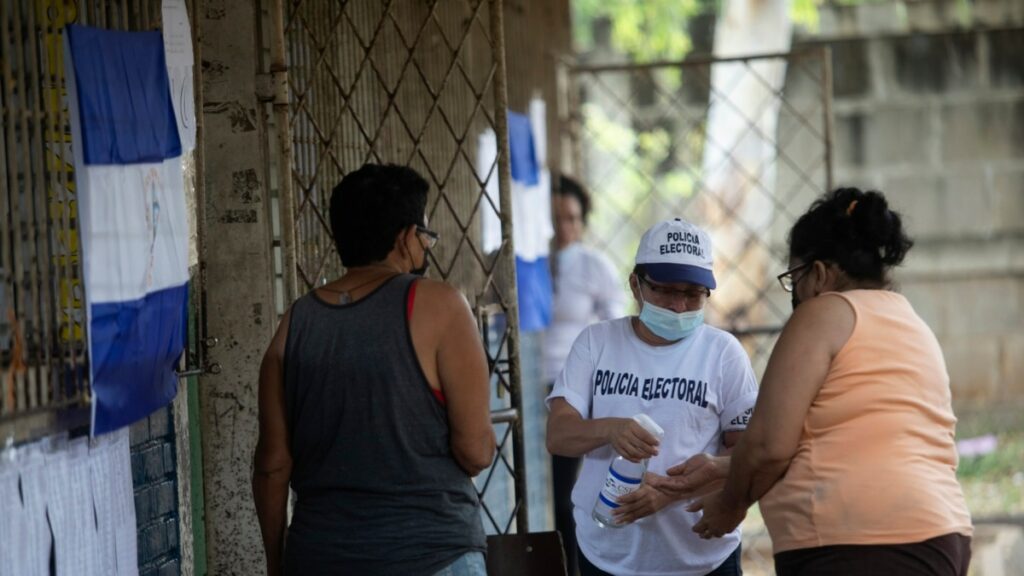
(322, 135)
(198, 157)
(286, 195)
(311, 110)
(868, 37)
(504, 416)
(62, 196)
(575, 122)
(24, 287)
(6, 213)
(695, 61)
(67, 197)
(137, 8)
(41, 240)
(54, 256)
(756, 331)
(306, 139)
(826, 97)
(505, 195)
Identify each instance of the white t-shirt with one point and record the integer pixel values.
(695, 389)
(587, 289)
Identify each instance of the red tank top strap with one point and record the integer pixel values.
(439, 395)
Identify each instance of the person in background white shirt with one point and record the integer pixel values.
(694, 380)
(587, 289)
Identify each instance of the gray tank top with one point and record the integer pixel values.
(378, 489)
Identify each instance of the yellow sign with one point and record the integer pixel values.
(53, 15)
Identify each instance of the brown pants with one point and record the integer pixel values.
(948, 555)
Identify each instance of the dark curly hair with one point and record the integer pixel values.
(569, 186)
(854, 229)
(370, 206)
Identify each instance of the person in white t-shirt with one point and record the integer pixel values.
(587, 289)
(694, 380)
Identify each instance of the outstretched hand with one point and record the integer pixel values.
(641, 503)
(699, 475)
(720, 517)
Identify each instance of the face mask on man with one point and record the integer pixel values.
(668, 324)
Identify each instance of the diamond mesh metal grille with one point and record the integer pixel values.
(413, 84)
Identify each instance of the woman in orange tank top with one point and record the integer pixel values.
(850, 449)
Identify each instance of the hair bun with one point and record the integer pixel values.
(855, 229)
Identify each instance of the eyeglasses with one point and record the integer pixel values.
(788, 278)
(432, 237)
(666, 293)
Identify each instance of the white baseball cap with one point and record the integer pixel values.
(676, 251)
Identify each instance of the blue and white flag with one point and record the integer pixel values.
(131, 219)
(532, 228)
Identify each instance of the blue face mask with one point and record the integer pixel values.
(668, 324)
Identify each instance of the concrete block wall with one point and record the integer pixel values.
(936, 121)
(154, 477)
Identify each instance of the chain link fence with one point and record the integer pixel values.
(416, 84)
(739, 146)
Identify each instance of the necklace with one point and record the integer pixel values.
(345, 296)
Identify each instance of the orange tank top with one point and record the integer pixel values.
(876, 462)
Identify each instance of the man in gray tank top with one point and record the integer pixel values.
(373, 403)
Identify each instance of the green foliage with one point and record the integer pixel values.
(1006, 460)
(631, 187)
(644, 29)
(648, 30)
(994, 483)
(804, 14)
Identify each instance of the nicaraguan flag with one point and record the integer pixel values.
(532, 228)
(131, 218)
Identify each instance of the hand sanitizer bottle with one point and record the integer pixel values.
(624, 477)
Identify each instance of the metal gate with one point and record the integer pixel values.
(415, 84)
(740, 146)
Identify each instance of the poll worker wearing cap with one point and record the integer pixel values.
(850, 449)
(694, 380)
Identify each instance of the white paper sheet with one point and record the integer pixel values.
(180, 60)
(102, 472)
(72, 499)
(125, 539)
(70, 510)
(10, 519)
(32, 543)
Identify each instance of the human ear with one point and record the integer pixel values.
(402, 242)
(634, 286)
(822, 277)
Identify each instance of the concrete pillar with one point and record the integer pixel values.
(239, 305)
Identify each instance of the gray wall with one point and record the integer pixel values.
(936, 121)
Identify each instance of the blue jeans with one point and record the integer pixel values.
(469, 564)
